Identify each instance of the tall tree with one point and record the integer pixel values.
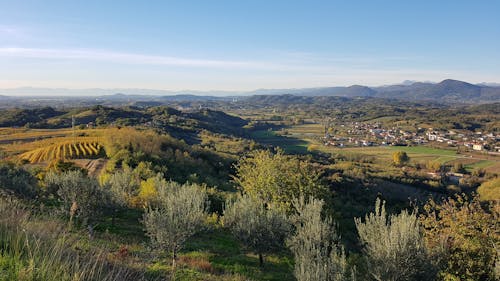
(260, 228)
(394, 246)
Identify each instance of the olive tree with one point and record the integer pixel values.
(178, 213)
(315, 244)
(123, 188)
(394, 246)
(81, 196)
(260, 228)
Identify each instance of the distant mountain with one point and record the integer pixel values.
(445, 91)
(452, 91)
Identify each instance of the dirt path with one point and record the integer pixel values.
(94, 166)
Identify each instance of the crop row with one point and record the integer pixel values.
(63, 151)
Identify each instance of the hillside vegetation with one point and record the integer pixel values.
(163, 194)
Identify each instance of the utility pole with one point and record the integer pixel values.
(73, 128)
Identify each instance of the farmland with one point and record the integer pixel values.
(79, 148)
(307, 134)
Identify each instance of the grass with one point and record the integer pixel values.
(424, 150)
(30, 251)
(288, 144)
(481, 164)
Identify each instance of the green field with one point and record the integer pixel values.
(424, 150)
(288, 144)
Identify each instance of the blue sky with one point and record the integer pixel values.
(245, 45)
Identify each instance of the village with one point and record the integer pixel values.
(375, 134)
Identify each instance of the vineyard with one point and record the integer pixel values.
(86, 148)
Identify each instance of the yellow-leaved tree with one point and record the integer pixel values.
(278, 178)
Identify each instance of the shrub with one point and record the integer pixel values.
(469, 232)
(17, 180)
(315, 244)
(394, 246)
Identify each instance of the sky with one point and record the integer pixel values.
(245, 45)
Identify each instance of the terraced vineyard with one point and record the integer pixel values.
(82, 148)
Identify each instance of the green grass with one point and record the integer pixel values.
(288, 144)
(227, 256)
(424, 150)
(481, 164)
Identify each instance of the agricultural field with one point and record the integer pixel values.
(296, 139)
(79, 148)
(46, 145)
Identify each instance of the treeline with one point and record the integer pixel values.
(180, 124)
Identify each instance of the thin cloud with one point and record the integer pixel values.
(120, 57)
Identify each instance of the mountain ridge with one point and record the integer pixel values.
(448, 90)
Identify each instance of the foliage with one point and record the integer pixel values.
(400, 158)
(277, 178)
(18, 180)
(315, 244)
(260, 228)
(178, 214)
(458, 168)
(394, 246)
(470, 234)
(434, 166)
(81, 196)
(490, 190)
(123, 187)
(28, 252)
(149, 189)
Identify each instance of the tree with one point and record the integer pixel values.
(178, 214)
(315, 244)
(277, 178)
(394, 246)
(260, 228)
(490, 190)
(459, 168)
(470, 235)
(123, 186)
(400, 158)
(81, 196)
(148, 192)
(18, 180)
(434, 166)
(123, 190)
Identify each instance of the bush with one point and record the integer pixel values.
(17, 180)
(469, 232)
(315, 245)
(394, 246)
